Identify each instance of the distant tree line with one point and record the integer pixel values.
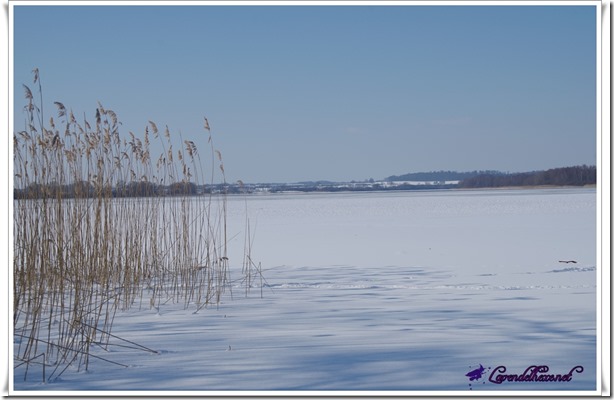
(440, 176)
(86, 189)
(567, 176)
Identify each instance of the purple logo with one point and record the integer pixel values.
(533, 373)
(476, 375)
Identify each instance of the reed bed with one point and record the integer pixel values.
(101, 226)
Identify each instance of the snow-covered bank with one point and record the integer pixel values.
(378, 291)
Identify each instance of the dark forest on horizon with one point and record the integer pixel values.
(582, 175)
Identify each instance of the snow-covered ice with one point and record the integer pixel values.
(403, 291)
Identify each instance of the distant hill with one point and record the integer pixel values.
(568, 176)
(439, 176)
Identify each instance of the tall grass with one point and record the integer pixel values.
(86, 248)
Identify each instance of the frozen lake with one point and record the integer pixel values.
(401, 291)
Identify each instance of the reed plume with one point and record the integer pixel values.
(100, 226)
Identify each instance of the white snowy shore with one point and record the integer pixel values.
(404, 291)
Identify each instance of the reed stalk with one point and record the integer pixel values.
(100, 226)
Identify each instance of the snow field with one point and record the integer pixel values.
(377, 291)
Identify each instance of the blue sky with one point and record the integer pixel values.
(340, 93)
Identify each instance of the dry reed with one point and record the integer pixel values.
(99, 226)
